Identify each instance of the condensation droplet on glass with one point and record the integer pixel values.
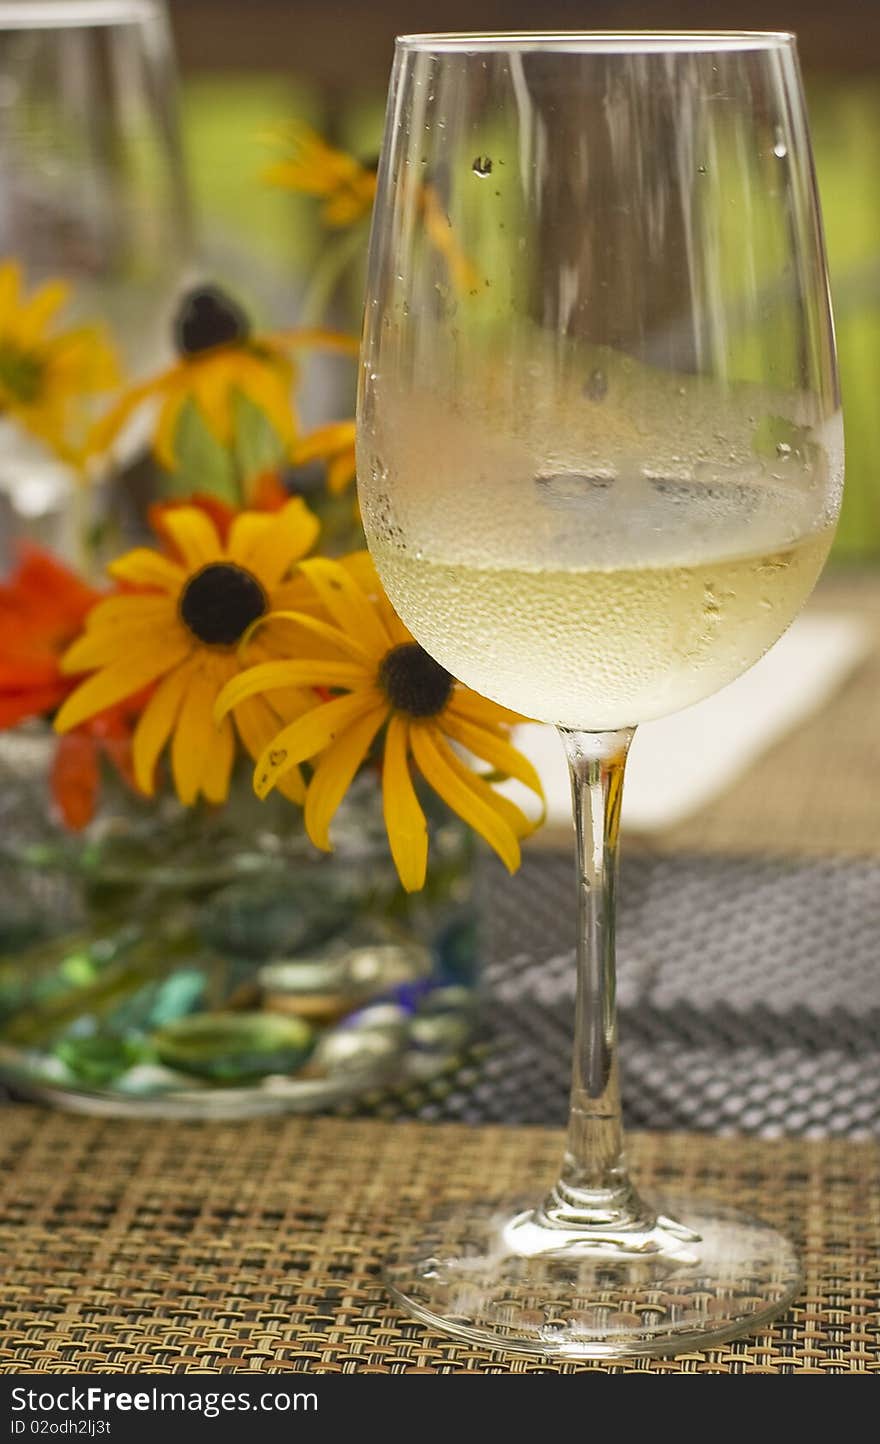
(780, 149)
(783, 449)
(596, 385)
(702, 169)
(482, 165)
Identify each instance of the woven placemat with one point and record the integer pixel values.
(190, 1248)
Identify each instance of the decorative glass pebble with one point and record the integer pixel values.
(329, 983)
(233, 1047)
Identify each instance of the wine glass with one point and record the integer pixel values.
(598, 478)
(92, 190)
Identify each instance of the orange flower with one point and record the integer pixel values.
(42, 608)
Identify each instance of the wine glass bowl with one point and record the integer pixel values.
(92, 192)
(600, 463)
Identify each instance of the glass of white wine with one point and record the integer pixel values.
(600, 464)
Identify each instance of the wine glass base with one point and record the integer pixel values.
(501, 1277)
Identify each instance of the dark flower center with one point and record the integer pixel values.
(207, 318)
(413, 682)
(219, 603)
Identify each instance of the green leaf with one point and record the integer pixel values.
(258, 447)
(203, 465)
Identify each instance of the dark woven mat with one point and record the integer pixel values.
(749, 998)
(171, 1247)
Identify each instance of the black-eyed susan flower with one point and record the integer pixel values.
(183, 632)
(221, 358)
(334, 445)
(346, 185)
(49, 376)
(384, 682)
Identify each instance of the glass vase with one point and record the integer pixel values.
(209, 962)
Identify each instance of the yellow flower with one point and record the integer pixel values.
(348, 189)
(346, 185)
(186, 634)
(47, 375)
(383, 678)
(221, 358)
(334, 444)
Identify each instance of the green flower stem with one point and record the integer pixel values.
(328, 273)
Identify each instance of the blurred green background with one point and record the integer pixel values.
(247, 66)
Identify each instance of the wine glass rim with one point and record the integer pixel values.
(599, 41)
(73, 14)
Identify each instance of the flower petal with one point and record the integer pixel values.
(462, 798)
(130, 609)
(316, 336)
(148, 568)
(269, 676)
(39, 310)
(291, 533)
(167, 423)
(492, 748)
(404, 819)
(309, 735)
(325, 441)
(195, 730)
(156, 724)
(474, 708)
(269, 389)
(104, 645)
(244, 532)
(193, 534)
(334, 774)
(341, 472)
(257, 725)
(75, 778)
(10, 287)
(108, 427)
(514, 816)
(211, 381)
(219, 757)
(120, 680)
(328, 639)
(347, 604)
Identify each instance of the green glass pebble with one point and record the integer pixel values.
(98, 1060)
(234, 1047)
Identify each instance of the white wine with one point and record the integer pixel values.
(642, 597)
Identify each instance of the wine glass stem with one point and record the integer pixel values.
(593, 1187)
